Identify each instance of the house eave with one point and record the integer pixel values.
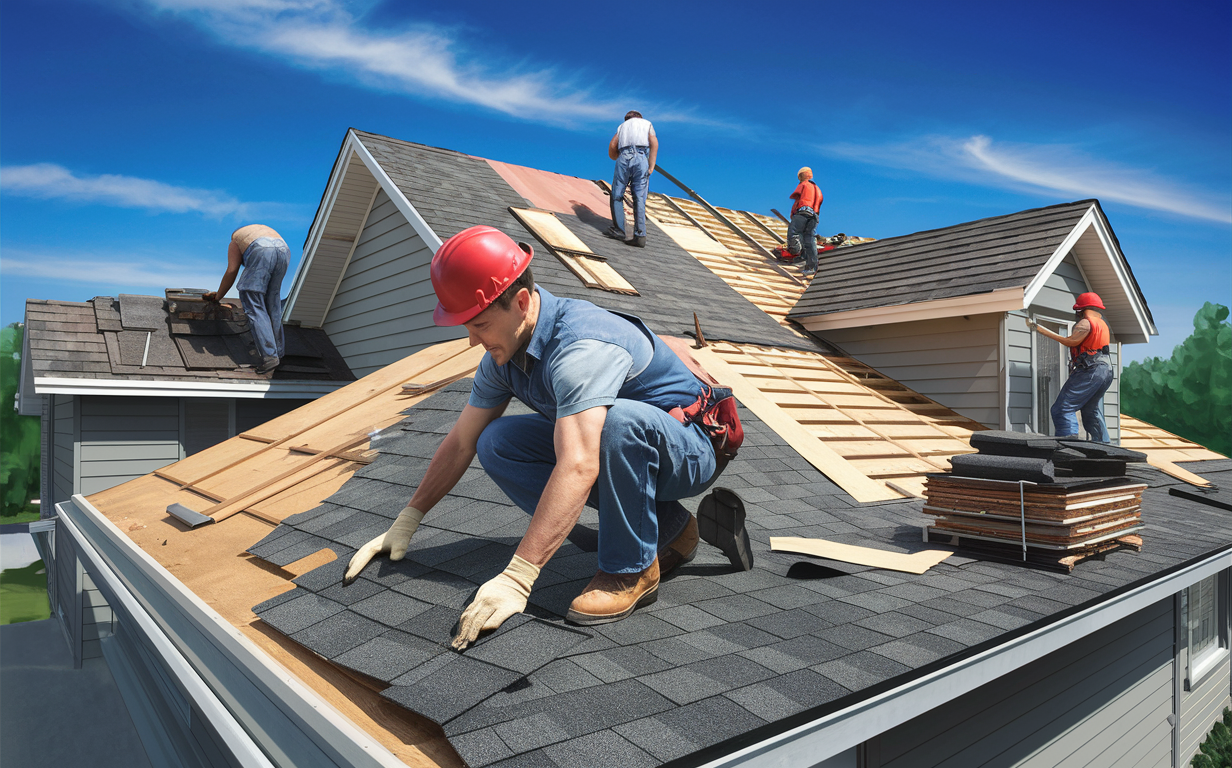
(833, 733)
(299, 390)
(1001, 300)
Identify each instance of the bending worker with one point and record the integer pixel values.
(634, 147)
(601, 386)
(1090, 371)
(264, 256)
(802, 231)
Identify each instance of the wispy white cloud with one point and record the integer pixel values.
(1052, 167)
(51, 181)
(106, 272)
(421, 60)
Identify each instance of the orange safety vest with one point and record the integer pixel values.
(1095, 342)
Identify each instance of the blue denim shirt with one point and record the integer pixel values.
(581, 356)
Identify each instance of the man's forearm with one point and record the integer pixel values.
(559, 508)
(228, 279)
(448, 464)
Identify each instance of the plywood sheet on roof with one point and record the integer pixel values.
(550, 230)
(1163, 449)
(554, 191)
(693, 239)
(869, 434)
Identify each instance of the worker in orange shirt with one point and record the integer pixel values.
(802, 232)
(1090, 372)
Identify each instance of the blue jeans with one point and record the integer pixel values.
(647, 462)
(1084, 391)
(803, 227)
(260, 286)
(632, 170)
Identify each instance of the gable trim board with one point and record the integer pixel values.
(812, 741)
(144, 388)
(352, 146)
(255, 705)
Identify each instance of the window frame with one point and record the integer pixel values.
(1199, 668)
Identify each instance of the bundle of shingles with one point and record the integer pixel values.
(1035, 499)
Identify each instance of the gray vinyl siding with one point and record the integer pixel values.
(1055, 300)
(97, 619)
(64, 447)
(123, 438)
(250, 413)
(951, 360)
(1101, 701)
(383, 309)
(1201, 707)
(46, 509)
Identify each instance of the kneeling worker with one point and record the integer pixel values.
(1090, 372)
(264, 256)
(601, 386)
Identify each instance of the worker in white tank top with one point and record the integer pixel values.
(634, 147)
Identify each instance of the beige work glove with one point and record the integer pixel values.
(496, 601)
(394, 541)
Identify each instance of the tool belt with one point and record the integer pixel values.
(715, 412)
(1083, 360)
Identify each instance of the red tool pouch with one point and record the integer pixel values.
(714, 411)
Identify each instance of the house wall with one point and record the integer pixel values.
(952, 360)
(382, 311)
(63, 447)
(1055, 300)
(123, 438)
(1104, 700)
(1201, 704)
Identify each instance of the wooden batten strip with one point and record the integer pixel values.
(812, 449)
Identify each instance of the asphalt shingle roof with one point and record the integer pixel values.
(721, 654)
(962, 260)
(453, 191)
(107, 339)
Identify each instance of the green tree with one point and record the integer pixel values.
(1190, 393)
(19, 435)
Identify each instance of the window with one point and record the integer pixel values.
(591, 268)
(1202, 622)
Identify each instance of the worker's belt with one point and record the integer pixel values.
(715, 412)
(1082, 360)
(805, 210)
(638, 147)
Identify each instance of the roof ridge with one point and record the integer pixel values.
(987, 220)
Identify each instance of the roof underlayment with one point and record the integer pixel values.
(834, 450)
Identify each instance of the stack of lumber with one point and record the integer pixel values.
(1035, 499)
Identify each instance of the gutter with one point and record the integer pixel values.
(811, 742)
(261, 712)
(306, 389)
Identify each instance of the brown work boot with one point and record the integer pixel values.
(612, 596)
(680, 549)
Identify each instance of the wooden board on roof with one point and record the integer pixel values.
(550, 230)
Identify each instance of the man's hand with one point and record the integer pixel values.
(394, 541)
(1031, 324)
(496, 601)
(210, 296)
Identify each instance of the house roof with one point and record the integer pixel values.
(722, 658)
(991, 264)
(135, 345)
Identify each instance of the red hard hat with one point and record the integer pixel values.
(1088, 301)
(471, 269)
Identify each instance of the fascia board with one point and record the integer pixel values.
(336, 176)
(807, 744)
(400, 200)
(1092, 219)
(121, 563)
(146, 388)
(205, 701)
(28, 402)
(1001, 300)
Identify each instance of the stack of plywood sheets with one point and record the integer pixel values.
(1055, 525)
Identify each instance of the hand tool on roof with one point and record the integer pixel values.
(394, 541)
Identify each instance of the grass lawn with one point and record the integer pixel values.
(28, 514)
(23, 594)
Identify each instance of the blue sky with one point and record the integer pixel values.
(137, 134)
